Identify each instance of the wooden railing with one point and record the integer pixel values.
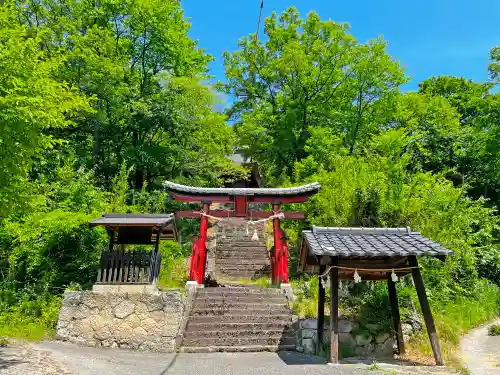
(133, 267)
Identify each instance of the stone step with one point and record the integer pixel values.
(263, 311)
(231, 253)
(243, 262)
(238, 333)
(238, 319)
(236, 348)
(239, 290)
(242, 276)
(281, 324)
(231, 267)
(246, 273)
(241, 244)
(240, 341)
(241, 299)
(229, 305)
(242, 259)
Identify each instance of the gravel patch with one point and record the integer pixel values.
(480, 352)
(22, 359)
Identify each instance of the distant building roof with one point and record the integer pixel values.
(239, 159)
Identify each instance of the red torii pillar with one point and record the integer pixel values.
(279, 261)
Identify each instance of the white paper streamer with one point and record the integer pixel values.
(357, 278)
(394, 277)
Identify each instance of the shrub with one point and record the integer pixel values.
(494, 330)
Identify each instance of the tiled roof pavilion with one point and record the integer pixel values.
(372, 247)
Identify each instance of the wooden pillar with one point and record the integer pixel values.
(157, 258)
(276, 274)
(321, 308)
(396, 318)
(334, 311)
(426, 310)
(202, 246)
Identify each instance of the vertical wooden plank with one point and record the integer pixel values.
(132, 267)
(110, 267)
(99, 271)
(127, 267)
(154, 265)
(426, 310)
(321, 308)
(142, 270)
(111, 242)
(120, 266)
(334, 311)
(396, 318)
(104, 267)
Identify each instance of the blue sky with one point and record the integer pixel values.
(429, 37)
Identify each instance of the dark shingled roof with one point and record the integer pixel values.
(310, 188)
(370, 242)
(134, 219)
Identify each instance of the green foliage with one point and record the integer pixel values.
(31, 103)
(494, 330)
(308, 74)
(174, 269)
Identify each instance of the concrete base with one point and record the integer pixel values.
(125, 288)
(287, 289)
(192, 285)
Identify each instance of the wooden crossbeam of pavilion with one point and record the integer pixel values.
(374, 254)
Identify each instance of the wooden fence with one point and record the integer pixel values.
(133, 267)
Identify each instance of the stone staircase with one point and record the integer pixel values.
(239, 319)
(237, 257)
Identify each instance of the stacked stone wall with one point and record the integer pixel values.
(142, 321)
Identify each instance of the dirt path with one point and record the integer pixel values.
(480, 352)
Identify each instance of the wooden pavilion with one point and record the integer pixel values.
(119, 266)
(371, 254)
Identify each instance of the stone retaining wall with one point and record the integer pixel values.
(355, 341)
(144, 321)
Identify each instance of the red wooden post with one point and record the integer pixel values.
(284, 262)
(240, 206)
(193, 267)
(276, 272)
(203, 244)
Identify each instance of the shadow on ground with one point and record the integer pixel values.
(295, 358)
(7, 360)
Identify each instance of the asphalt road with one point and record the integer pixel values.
(58, 358)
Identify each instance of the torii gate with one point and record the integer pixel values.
(240, 198)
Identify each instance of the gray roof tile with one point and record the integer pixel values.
(304, 189)
(134, 219)
(370, 242)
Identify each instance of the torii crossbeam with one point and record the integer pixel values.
(240, 198)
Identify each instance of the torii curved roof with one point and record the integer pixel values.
(304, 190)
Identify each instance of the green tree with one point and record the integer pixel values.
(32, 103)
(152, 109)
(309, 73)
